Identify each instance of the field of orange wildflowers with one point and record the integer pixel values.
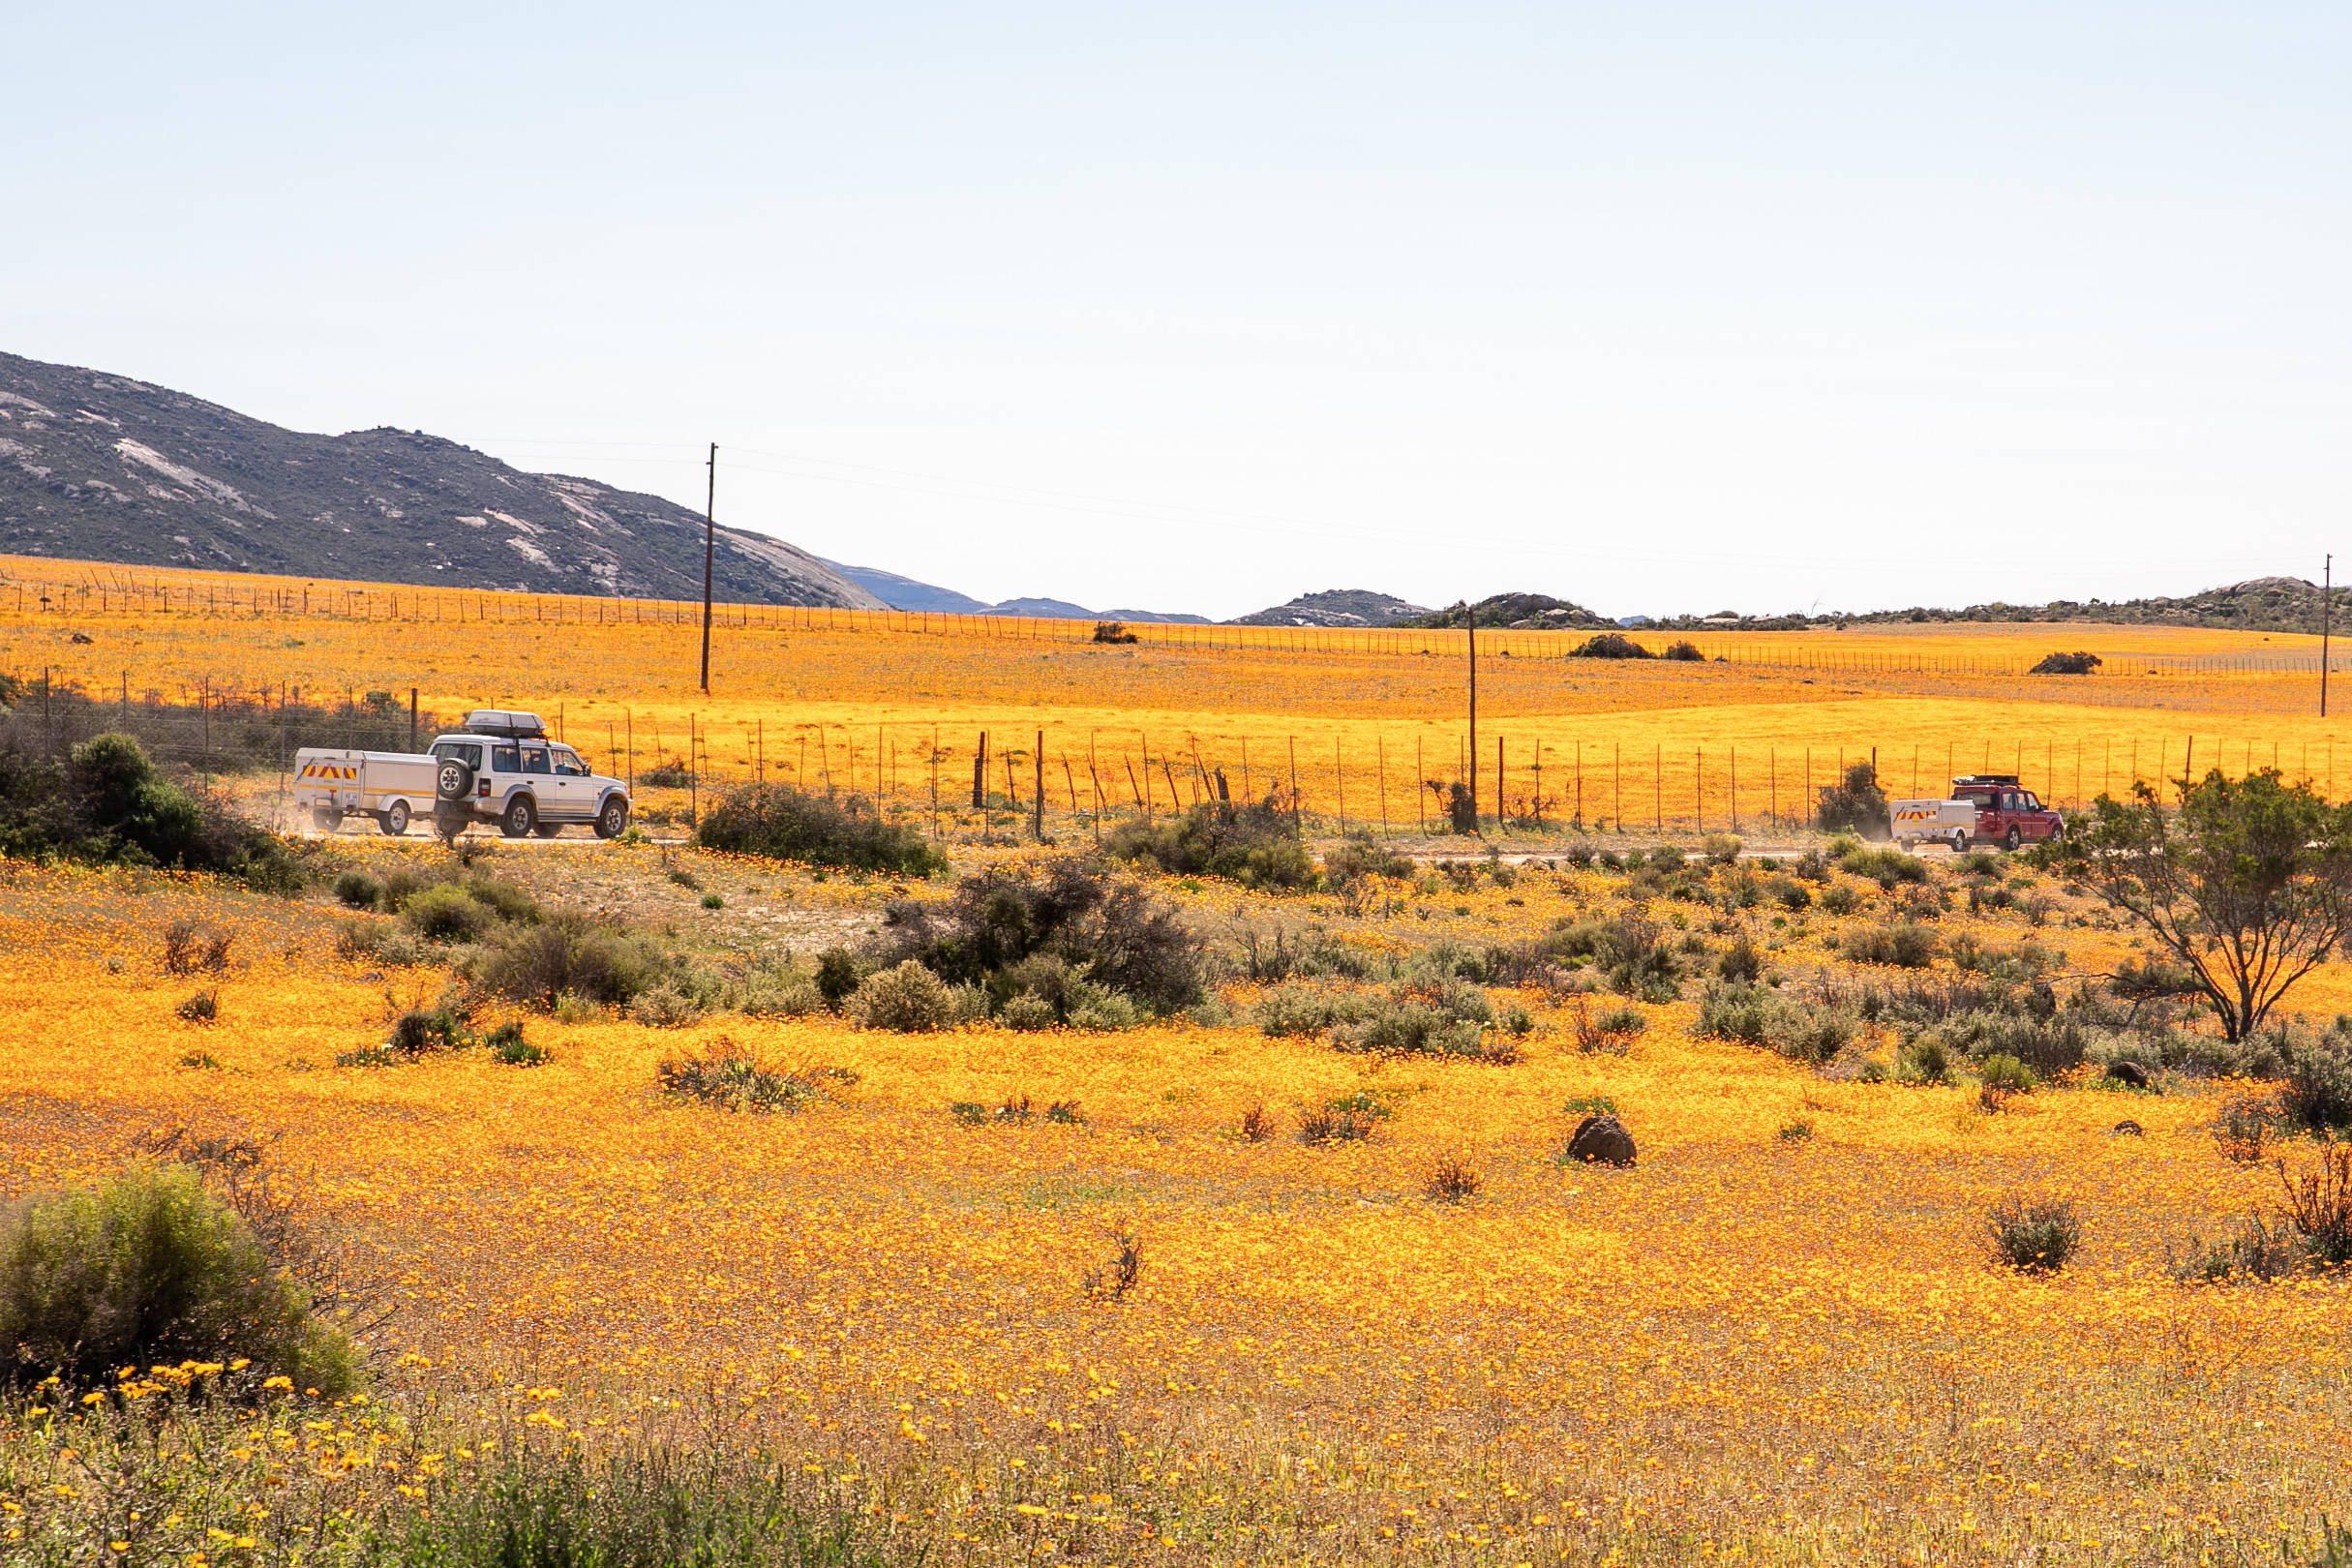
(894, 706)
(1753, 1345)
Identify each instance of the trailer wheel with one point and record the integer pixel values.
(1960, 842)
(395, 821)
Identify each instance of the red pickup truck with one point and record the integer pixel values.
(2007, 813)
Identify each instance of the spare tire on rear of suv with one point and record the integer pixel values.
(453, 780)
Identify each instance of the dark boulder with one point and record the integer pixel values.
(1601, 1141)
(2130, 1073)
(2128, 1129)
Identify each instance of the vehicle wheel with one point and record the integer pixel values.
(1960, 842)
(2011, 839)
(613, 818)
(521, 818)
(325, 820)
(1903, 844)
(395, 821)
(453, 780)
(547, 829)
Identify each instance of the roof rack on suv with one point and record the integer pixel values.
(2003, 780)
(503, 723)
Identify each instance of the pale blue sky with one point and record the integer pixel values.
(1660, 308)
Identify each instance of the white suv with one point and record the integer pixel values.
(503, 768)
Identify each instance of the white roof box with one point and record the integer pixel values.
(505, 722)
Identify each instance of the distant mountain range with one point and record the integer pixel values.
(96, 467)
(906, 593)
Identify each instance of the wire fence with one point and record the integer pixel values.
(1047, 778)
(1363, 778)
(86, 591)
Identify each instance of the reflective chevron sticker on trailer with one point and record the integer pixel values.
(330, 770)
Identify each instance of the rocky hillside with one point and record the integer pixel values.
(102, 467)
(1520, 611)
(1336, 607)
(2263, 604)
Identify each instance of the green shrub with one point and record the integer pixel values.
(2033, 1235)
(714, 901)
(2317, 1095)
(731, 1078)
(665, 1006)
(1293, 1009)
(568, 956)
(447, 912)
(1258, 846)
(789, 998)
(1755, 1015)
(1610, 645)
(906, 999)
(1740, 961)
(147, 1268)
(512, 1050)
(1590, 1106)
(1720, 849)
(1906, 946)
(1452, 1018)
(358, 891)
(104, 801)
(838, 974)
(1841, 899)
(1360, 855)
(1884, 866)
(1925, 1061)
(1855, 803)
(1027, 1011)
(999, 928)
(1683, 652)
(2005, 1073)
(204, 1007)
(1612, 1031)
(781, 823)
(2070, 664)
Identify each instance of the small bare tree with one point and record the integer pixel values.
(2247, 882)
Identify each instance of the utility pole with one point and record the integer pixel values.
(2327, 597)
(709, 532)
(1470, 610)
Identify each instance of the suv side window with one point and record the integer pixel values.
(569, 764)
(507, 758)
(534, 760)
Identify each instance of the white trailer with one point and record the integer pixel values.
(1948, 821)
(390, 786)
